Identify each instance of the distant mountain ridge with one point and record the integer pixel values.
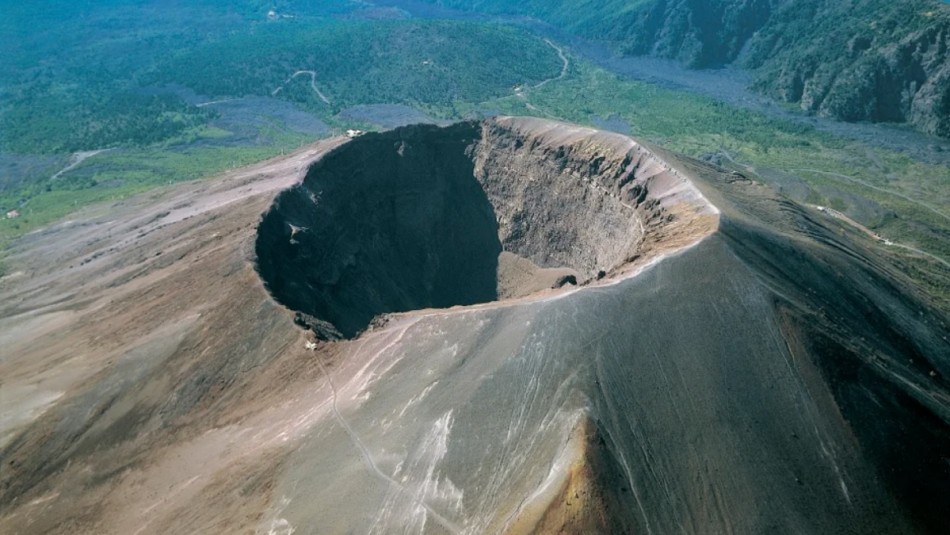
(855, 60)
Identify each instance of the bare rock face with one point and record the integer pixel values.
(871, 61)
(930, 104)
(418, 217)
(559, 203)
(908, 81)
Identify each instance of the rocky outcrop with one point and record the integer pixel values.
(697, 33)
(894, 67)
(557, 202)
(856, 61)
(862, 60)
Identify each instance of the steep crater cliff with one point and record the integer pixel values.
(429, 217)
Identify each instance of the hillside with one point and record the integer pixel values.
(859, 60)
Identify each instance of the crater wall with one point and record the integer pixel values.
(426, 216)
(390, 222)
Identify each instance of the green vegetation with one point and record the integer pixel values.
(425, 64)
(96, 81)
(52, 119)
(95, 98)
(73, 74)
(875, 60)
(116, 175)
(70, 74)
(582, 16)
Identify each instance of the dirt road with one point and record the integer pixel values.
(313, 85)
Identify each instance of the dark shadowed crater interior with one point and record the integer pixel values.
(389, 222)
(409, 219)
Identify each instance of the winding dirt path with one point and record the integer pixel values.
(522, 92)
(842, 217)
(213, 102)
(918, 251)
(876, 188)
(76, 159)
(365, 454)
(888, 243)
(313, 85)
(564, 68)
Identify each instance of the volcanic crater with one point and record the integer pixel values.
(758, 348)
(433, 217)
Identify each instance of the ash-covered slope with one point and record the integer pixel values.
(771, 377)
(745, 365)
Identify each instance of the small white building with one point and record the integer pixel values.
(13, 214)
(354, 133)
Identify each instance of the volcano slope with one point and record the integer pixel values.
(729, 362)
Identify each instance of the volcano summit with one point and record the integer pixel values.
(426, 217)
(516, 326)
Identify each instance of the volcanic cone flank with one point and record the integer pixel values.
(536, 327)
